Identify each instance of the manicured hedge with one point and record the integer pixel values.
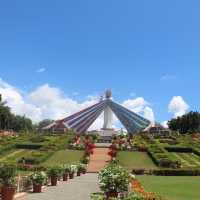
(162, 158)
(176, 172)
(28, 146)
(36, 158)
(184, 150)
(196, 151)
(179, 149)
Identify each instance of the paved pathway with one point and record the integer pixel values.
(79, 188)
(98, 160)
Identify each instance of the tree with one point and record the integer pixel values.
(5, 115)
(188, 123)
(11, 121)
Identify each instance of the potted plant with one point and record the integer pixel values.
(65, 172)
(72, 170)
(8, 181)
(113, 180)
(38, 179)
(83, 168)
(61, 172)
(54, 173)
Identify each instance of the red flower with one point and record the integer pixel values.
(112, 153)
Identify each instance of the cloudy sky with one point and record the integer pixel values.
(59, 57)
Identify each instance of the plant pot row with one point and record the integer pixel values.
(65, 177)
(54, 181)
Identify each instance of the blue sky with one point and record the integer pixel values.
(147, 48)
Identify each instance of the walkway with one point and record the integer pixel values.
(79, 188)
(98, 160)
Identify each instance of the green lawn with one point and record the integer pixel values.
(173, 188)
(131, 160)
(16, 155)
(188, 159)
(64, 157)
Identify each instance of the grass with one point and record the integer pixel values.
(16, 155)
(64, 157)
(171, 187)
(131, 160)
(188, 159)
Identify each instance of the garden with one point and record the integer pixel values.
(142, 167)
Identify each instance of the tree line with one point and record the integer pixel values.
(9, 121)
(188, 123)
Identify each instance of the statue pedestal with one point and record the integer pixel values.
(106, 135)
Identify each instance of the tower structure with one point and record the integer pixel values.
(108, 114)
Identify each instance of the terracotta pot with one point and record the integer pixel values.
(37, 188)
(65, 177)
(54, 180)
(78, 173)
(111, 194)
(8, 193)
(71, 176)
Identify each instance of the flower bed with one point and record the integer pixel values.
(139, 189)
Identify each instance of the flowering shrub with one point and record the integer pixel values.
(38, 178)
(72, 169)
(131, 196)
(114, 178)
(137, 187)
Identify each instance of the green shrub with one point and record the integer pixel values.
(7, 174)
(176, 172)
(38, 178)
(162, 158)
(28, 146)
(38, 139)
(179, 149)
(114, 177)
(55, 171)
(138, 171)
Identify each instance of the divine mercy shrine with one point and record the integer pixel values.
(82, 120)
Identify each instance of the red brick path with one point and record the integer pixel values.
(98, 160)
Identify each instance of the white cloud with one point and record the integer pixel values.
(178, 106)
(164, 124)
(16, 101)
(140, 106)
(40, 70)
(167, 77)
(50, 102)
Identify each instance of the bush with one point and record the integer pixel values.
(114, 178)
(179, 149)
(38, 178)
(28, 146)
(138, 171)
(38, 139)
(55, 171)
(176, 172)
(7, 175)
(131, 196)
(36, 158)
